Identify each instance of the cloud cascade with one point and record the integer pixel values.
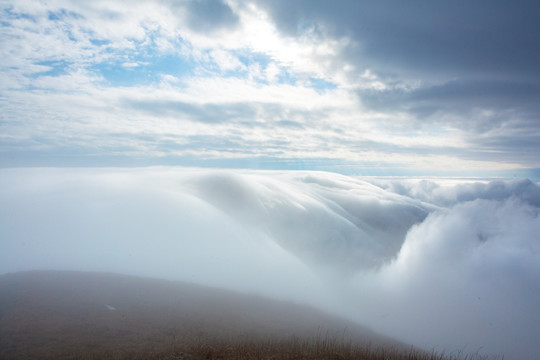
(446, 264)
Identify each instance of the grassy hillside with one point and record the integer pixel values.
(74, 315)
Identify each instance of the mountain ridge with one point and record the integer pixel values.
(71, 314)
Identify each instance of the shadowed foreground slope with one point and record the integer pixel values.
(59, 315)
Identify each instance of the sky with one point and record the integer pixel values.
(391, 88)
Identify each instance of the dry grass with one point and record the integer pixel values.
(315, 349)
(297, 348)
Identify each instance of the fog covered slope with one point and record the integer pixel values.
(438, 263)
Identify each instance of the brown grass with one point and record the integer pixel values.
(298, 349)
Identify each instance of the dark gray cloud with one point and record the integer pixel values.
(483, 94)
(452, 38)
(210, 15)
(476, 106)
(462, 96)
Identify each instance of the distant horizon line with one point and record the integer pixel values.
(342, 169)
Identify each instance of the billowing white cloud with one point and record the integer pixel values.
(448, 192)
(450, 264)
(465, 277)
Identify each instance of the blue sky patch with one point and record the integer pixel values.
(100, 42)
(321, 84)
(143, 70)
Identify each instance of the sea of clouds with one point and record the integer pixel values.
(441, 263)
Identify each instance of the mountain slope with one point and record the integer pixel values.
(50, 314)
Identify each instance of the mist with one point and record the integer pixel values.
(446, 264)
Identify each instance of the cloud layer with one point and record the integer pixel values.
(450, 264)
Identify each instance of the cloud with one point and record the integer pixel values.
(143, 230)
(368, 227)
(451, 264)
(449, 192)
(461, 65)
(304, 215)
(457, 37)
(505, 100)
(210, 15)
(465, 276)
(203, 113)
